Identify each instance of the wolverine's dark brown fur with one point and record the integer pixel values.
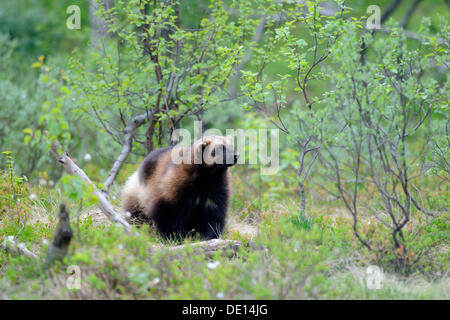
(183, 198)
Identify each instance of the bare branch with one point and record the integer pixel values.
(103, 203)
(126, 147)
(410, 12)
(11, 245)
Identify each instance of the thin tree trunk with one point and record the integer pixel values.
(99, 27)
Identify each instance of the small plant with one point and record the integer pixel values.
(387, 106)
(14, 204)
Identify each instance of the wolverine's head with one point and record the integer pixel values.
(215, 151)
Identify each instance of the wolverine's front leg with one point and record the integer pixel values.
(171, 221)
(211, 222)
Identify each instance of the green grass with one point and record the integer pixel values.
(314, 257)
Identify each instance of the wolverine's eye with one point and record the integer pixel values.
(213, 153)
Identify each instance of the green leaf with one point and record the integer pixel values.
(28, 131)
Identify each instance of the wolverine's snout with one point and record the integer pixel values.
(233, 160)
(236, 157)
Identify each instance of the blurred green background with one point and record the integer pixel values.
(30, 29)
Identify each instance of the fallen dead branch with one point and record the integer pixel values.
(210, 247)
(63, 158)
(11, 245)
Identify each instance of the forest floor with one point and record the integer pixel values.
(291, 257)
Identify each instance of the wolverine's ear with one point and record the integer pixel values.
(205, 143)
(201, 145)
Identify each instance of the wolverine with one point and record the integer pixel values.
(184, 190)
